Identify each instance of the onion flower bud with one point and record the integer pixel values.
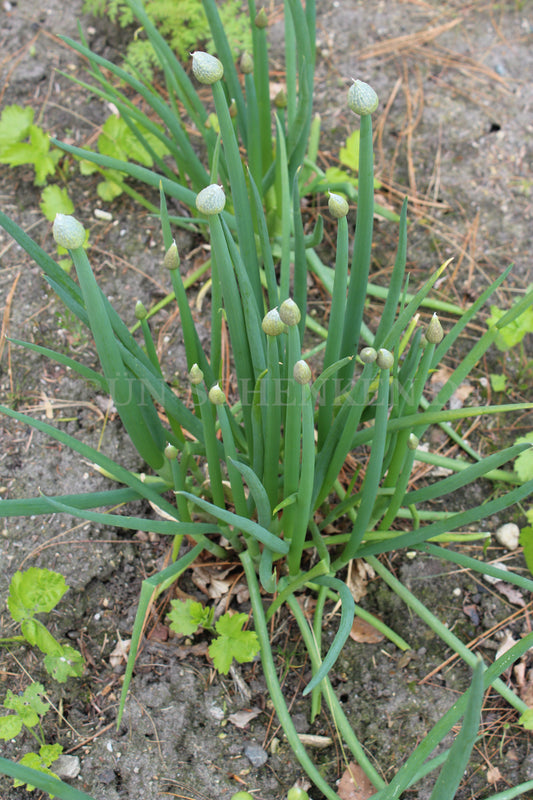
(206, 68)
(362, 99)
(216, 395)
(261, 19)
(368, 355)
(280, 100)
(172, 257)
(247, 63)
(68, 232)
(302, 372)
(434, 333)
(196, 375)
(297, 793)
(171, 452)
(289, 312)
(413, 441)
(140, 310)
(384, 359)
(211, 200)
(338, 205)
(272, 323)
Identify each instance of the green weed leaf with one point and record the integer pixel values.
(55, 200)
(232, 642)
(512, 333)
(10, 726)
(15, 124)
(40, 762)
(34, 591)
(524, 462)
(526, 719)
(498, 382)
(526, 541)
(28, 706)
(187, 616)
(68, 663)
(349, 154)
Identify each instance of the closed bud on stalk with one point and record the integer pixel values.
(289, 312)
(171, 452)
(172, 257)
(413, 441)
(206, 68)
(280, 100)
(272, 323)
(338, 205)
(362, 99)
(247, 63)
(384, 359)
(302, 372)
(297, 793)
(233, 108)
(68, 232)
(434, 333)
(196, 375)
(261, 19)
(140, 310)
(216, 395)
(368, 355)
(211, 200)
(242, 796)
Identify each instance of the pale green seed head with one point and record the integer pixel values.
(289, 312)
(272, 323)
(434, 333)
(384, 359)
(338, 205)
(362, 99)
(196, 375)
(216, 395)
(206, 68)
(368, 355)
(211, 200)
(140, 310)
(68, 232)
(296, 793)
(413, 441)
(171, 452)
(302, 372)
(247, 63)
(172, 257)
(261, 19)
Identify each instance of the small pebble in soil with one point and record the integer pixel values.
(255, 754)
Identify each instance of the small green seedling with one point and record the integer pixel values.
(27, 710)
(38, 591)
(231, 642)
(513, 333)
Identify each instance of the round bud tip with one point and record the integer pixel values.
(206, 68)
(281, 100)
(368, 355)
(211, 200)
(172, 257)
(434, 333)
(140, 310)
(338, 205)
(216, 395)
(297, 793)
(302, 372)
(272, 323)
(289, 312)
(247, 63)
(362, 98)
(242, 796)
(413, 441)
(196, 375)
(384, 359)
(171, 452)
(261, 19)
(68, 232)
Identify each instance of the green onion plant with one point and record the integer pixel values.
(274, 442)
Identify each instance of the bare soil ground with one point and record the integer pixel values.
(455, 132)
